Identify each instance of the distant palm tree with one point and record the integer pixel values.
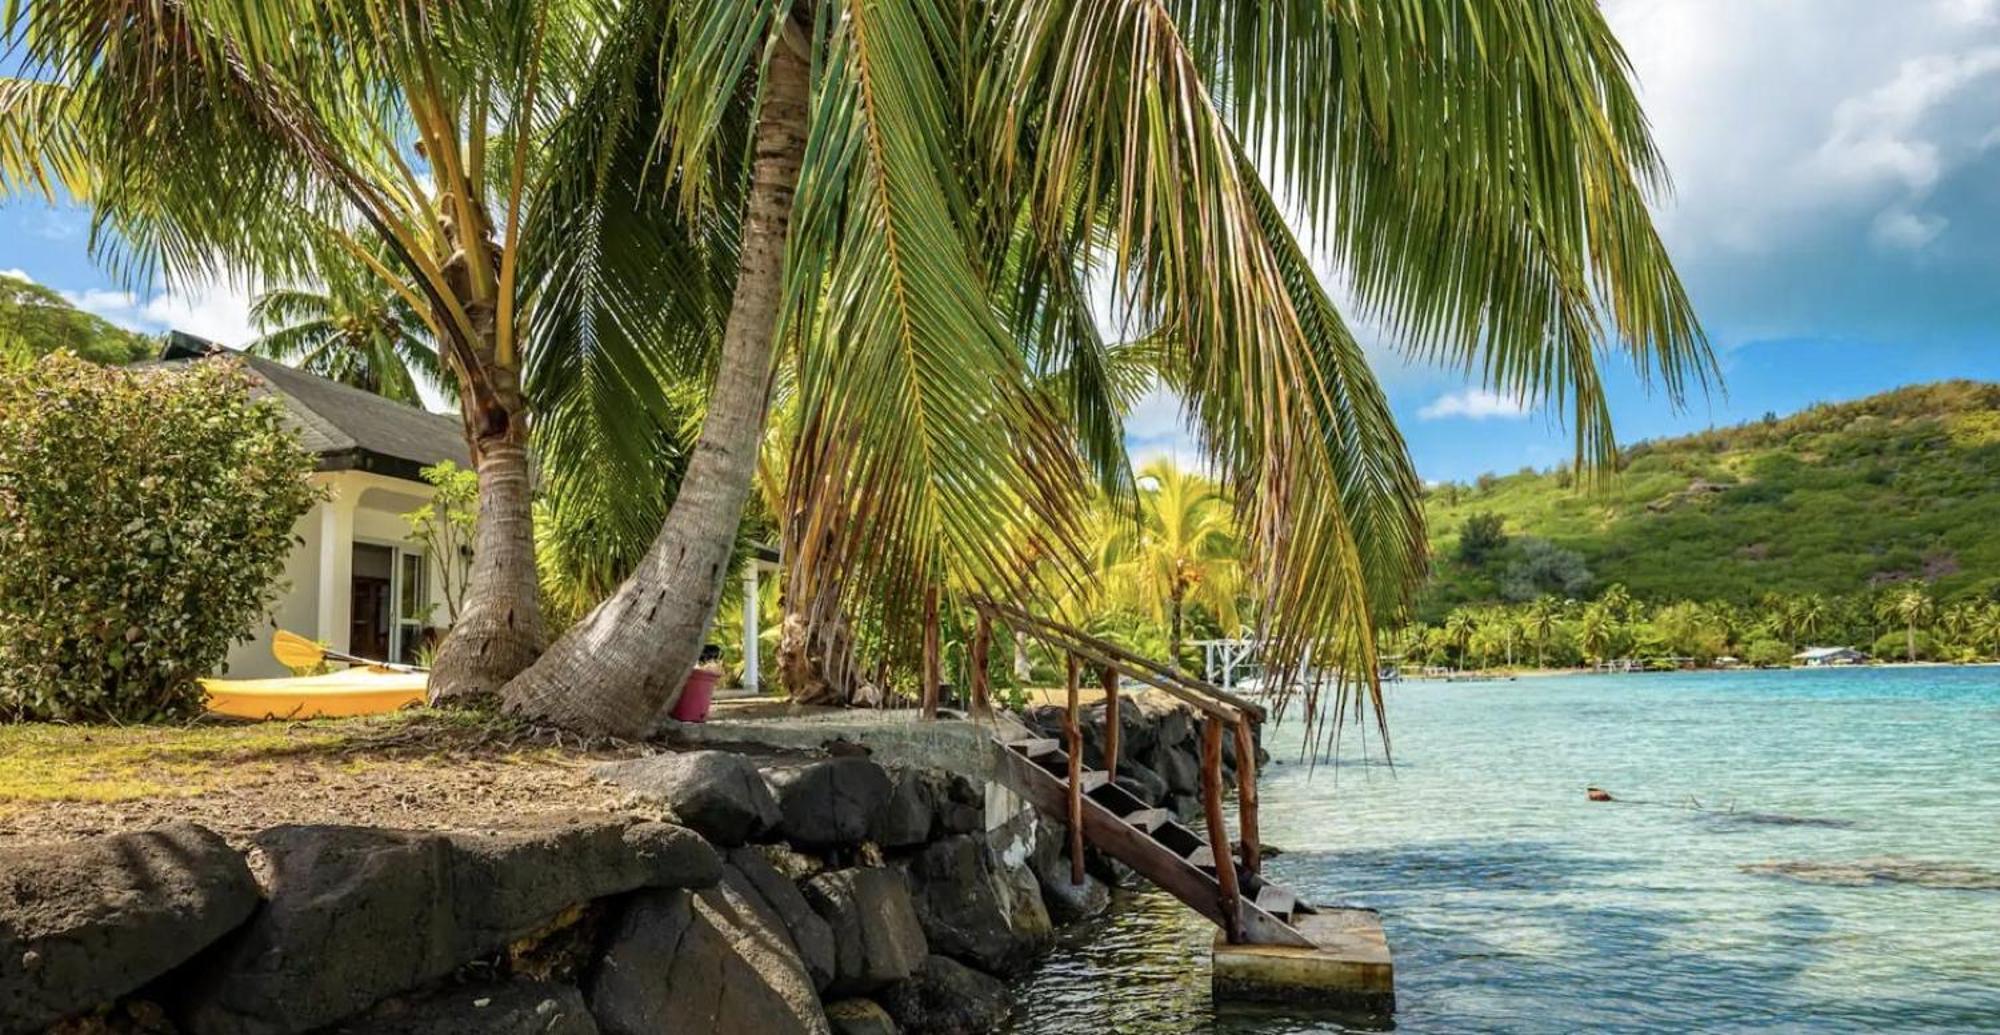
(1912, 607)
(1987, 628)
(1459, 628)
(1541, 626)
(1597, 630)
(351, 332)
(1182, 549)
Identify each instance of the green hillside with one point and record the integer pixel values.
(1839, 499)
(35, 321)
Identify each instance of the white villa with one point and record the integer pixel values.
(355, 581)
(1818, 657)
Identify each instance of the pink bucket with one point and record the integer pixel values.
(696, 695)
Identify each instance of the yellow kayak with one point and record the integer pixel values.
(357, 691)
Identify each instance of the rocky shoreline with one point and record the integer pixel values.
(823, 894)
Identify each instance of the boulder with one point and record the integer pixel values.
(1187, 808)
(701, 962)
(357, 914)
(1143, 783)
(974, 909)
(1068, 903)
(832, 803)
(518, 1008)
(912, 808)
(877, 937)
(859, 1017)
(718, 793)
(962, 809)
(86, 922)
(1180, 769)
(948, 998)
(751, 873)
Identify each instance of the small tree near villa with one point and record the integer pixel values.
(145, 518)
(447, 527)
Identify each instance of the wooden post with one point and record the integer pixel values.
(1246, 795)
(1073, 731)
(982, 644)
(1218, 831)
(1109, 679)
(932, 677)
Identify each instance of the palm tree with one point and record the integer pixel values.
(1988, 628)
(1182, 550)
(351, 332)
(1459, 628)
(932, 193)
(1598, 629)
(277, 139)
(1912, 607)
(1540, 622)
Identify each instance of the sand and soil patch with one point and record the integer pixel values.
(416, 769)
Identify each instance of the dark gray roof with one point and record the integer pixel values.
(346, 428)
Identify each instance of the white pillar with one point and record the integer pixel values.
(750, 629)
(336, 569)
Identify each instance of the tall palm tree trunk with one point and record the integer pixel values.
(499, 631)
(619, 668)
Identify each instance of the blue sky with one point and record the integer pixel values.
(1837, 220)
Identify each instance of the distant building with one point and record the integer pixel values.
(1817, 657)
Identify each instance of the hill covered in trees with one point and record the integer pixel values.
(1852, 498)
(35, 321)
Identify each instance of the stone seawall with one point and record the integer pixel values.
(733, 894)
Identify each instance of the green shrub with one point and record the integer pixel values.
(1894, 645)
(145, 517)
(1767, 654)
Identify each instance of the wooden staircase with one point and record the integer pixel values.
(1050, 774)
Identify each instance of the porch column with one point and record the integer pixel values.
(336, 568)
(750, 626)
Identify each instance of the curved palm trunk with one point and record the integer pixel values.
(498, 632)
(619, 668)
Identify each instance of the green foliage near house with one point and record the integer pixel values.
(1836, 500)
(35, 321)
(145, 518)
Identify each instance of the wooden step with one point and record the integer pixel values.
(1277, 900)
(1203, 856)
(1092, 779)
(1036, 747)
(1150, 820)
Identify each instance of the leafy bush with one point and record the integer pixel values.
(1544, 569)
(1482, 536)
(145, 517)
(1767, 654)
(1894, 645)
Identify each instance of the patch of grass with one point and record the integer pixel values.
(42, 762)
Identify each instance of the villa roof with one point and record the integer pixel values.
(346, 428)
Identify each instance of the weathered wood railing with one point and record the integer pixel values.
(1221, 714)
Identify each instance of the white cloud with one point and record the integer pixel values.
(1906, 229)
(21, 275)
(1473, 404)
(219, 313)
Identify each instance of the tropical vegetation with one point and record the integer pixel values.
(36, 320)
(145, 521)
(888, 222)
(1836, 500)
(350, 329)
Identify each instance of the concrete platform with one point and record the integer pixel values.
(1349, 969)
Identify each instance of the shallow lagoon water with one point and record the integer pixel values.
(1839, 874)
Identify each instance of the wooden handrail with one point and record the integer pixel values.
(1221, 714)
(1144, 669)
(1074, 731)
(1218, 831)
(1246, 795)
(1108, 678)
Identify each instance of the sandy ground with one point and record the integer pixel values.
(416, 770)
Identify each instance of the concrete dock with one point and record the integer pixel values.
(1349, 967)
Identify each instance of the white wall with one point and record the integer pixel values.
(367, 507)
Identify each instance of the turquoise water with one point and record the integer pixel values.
(1513, 904)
